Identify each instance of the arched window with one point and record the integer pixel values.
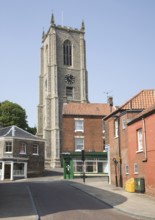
(67, 53)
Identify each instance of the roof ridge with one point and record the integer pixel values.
(8, 131)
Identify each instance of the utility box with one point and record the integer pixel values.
(68, 168)
(130, 185)
(139, 185)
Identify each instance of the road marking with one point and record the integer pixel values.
(33, 203)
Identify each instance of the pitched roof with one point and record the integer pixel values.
(95, 109)
(14, 131)
(144, 113)
(142, 100)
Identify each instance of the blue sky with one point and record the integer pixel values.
(120, 47)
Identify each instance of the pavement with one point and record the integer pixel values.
(138, 205)
(18, 200)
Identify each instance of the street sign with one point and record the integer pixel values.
(106, 148)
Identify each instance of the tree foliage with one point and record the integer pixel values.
(13, 114)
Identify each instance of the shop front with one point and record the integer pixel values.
(13, 169)
(95, 164)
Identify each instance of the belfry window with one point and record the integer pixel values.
(67, 53)
(69, 93)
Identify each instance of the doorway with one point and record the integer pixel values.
(7, 173)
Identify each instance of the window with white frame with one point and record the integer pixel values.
(8, 147)
(79, 125)
(23, 148)
(123, 123)
(91, 166)
(18, 169)
(126, 169)
(139, 140)
(35, 149)
(135, 168)
(116, 127)
(79, 143)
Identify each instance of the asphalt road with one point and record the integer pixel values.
(58, 200)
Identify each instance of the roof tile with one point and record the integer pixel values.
(86, 109)
(142, 100)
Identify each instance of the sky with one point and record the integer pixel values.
(120, 47)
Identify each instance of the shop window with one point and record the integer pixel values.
(91, 167)
(78, 166)
(100, 167)
(18, 169)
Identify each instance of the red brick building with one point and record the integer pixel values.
(141, 148)
(82, 128)
(117, 133)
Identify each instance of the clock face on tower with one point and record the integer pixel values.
(69, 79)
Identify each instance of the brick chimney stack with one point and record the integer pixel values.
(110, 102)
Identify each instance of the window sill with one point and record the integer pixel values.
(136, 173)
(78, 150)
(139, 151)
(35, 154)
(79, 131)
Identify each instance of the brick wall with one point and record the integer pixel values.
(116, 143)
(93, 136)
(35, 162)
(146, 168)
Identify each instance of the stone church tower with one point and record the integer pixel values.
(63, 76)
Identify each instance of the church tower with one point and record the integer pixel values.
(63, 75)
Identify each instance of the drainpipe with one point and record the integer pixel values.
(119, 152)
(145, 145)
(120, 160)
